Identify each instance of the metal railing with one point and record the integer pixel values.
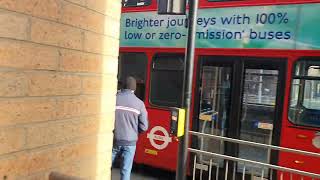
(262, 165)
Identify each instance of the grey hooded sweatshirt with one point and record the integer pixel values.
(131, 118)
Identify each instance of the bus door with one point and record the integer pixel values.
(166, 82)
(238, 97)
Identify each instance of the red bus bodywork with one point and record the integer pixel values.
(292, 136)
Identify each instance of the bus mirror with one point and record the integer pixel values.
(177, 122)
(172, 7)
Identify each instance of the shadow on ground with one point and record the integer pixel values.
(144, 173)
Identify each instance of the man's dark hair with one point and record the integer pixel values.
(131, 83)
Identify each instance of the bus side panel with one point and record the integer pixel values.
(159, 148)
(296, 137)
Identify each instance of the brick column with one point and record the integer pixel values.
(58, 67)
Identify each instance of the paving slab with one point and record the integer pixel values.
(144, 173)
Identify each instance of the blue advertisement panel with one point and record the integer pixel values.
(269, 27)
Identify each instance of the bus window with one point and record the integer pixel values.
(261, 86)
(167, 80)
(305, 93)
(135, 3)
(133, 64)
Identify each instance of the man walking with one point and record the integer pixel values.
(130, 120)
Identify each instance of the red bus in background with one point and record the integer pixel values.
(256, 78)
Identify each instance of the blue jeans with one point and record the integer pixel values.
(127, 154)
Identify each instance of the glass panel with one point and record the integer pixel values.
(314, 71)
(214, 109)
(311, 98)
(167, 80)
(168, 63)
(307, 68)
(133, 64)
(305, 94)
(135, 3)
(260, 86)
(258, 111)
(294, 92)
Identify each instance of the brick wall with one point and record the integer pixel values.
(58, 66)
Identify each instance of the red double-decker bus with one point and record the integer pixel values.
(256, 78)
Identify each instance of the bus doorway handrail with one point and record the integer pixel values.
(284, 149)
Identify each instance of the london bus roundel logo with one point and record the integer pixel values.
(165, 138)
